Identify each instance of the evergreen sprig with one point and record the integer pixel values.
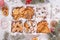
(41, 1)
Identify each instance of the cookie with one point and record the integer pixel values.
(5, 11)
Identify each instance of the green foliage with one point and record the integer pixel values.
(57, 28)
(41, 1)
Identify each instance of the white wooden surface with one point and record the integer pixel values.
(10, 5)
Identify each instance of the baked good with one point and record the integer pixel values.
(22, 12)
(5, 10)
(42, 27)
(15, 13)
(27, 27)
(35, 38)
(17, 27)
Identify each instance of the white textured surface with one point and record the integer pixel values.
(11, 4)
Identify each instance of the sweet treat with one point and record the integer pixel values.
(5, 10)
(17, 27)
(22, 12)
(30, 12)
(35, 38)
(15, 13)
(27, 27)
(42, 27)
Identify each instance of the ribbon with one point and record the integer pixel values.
(28, 1)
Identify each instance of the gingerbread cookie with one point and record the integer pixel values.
(22, 12)
(42, 27)
(5, 10)
(17, 27)
(35, 38)
(27, 27)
